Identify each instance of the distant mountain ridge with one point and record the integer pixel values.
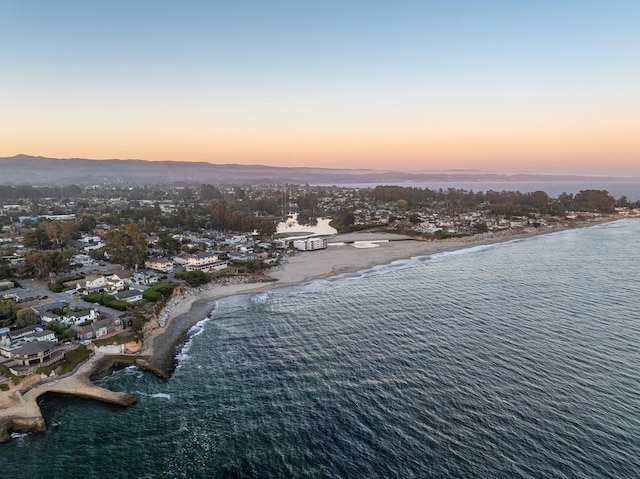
(38, 170)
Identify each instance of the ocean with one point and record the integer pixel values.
(514, 360)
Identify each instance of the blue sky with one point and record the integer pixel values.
(510, 85)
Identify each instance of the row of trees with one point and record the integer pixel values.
(52, 234)
(499, 202)
(226, 218)
(27, 191)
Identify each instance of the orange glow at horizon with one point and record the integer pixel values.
(532, 147)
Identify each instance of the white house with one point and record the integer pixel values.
(119, 281)
(93, 282)
(75, 317)
(83, 260)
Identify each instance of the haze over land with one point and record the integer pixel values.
(25, 169)
(508, 87)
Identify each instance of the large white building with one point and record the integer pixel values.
(310, 244)
(200, 261)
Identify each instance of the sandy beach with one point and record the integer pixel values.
(346, 254)
(165, 335)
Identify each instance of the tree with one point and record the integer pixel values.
(26, 317)
(61, 233)
(36, 238)
(42, 263)
(127, 245)
(168, 244)
(209, 192)
(343, 221)
(38, 262)
(594, 200)
(8, 311)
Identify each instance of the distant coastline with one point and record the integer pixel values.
(20, 413)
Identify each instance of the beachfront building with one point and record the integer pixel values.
(163, 265)
(28, 354)
(206, 261)
(99, 328)
(310, 244)
(27, 358)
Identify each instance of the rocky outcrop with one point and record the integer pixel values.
(20, 424)
(23, 414)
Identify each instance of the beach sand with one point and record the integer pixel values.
(346, 254)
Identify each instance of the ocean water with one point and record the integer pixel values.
(520, 359)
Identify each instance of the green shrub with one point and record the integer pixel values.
(155, 292)
(151, 295)
(193, 278)
(92, 297)
(165, 287)
(74, 277)
(55, 287)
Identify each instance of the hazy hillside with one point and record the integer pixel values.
(37, 170)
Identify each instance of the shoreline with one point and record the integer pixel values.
(167, 334)
(162, 345)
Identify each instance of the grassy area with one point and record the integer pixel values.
(68, 363)
(8, 374)
(120, 338)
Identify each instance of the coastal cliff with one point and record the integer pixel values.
(23, 413)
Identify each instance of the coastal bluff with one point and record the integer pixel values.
(23, 413)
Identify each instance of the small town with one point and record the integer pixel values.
(87, 267)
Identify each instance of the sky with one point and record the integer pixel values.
(491, 85)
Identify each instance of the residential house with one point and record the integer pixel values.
(61, 313)
(164, 265)
(99, 328)
(20, 295)
(130, 296)
(144, 277)
(119, 281)
(30, 354)
(22, 333)
(81, 316)
(83, 260)
(12, 340)
(42, 308)
(94, 282)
